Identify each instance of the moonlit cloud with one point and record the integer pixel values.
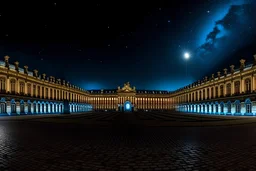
(235, 28)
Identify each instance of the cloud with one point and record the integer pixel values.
(236, 27)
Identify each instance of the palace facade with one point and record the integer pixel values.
(26, 92)
(130, 99)
(231, 92)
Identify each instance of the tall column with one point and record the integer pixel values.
(224, 89)
(18, 86)
(242, 85)
(8, 87)
(232, 87)
(26, 87)
(253, 82)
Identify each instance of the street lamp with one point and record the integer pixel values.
(186, 56)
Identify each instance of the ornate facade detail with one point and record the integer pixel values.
(242, 64)
(16, 66)
(127, 88)
(231, 94)
(26, 69)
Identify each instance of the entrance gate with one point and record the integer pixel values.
(126, 107)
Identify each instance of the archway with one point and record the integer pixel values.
(128, 107)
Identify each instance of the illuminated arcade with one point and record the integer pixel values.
(229, 93)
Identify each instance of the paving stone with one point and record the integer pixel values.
(125, 143)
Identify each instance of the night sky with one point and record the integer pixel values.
(103, 44)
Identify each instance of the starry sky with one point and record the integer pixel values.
(102, 44)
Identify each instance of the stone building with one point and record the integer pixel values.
(231, 92)
(130, 99)
(26, 92)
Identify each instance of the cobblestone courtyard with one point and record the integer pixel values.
(128, 141)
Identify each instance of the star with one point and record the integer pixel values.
(169, 21)
(160, 9)
(6, 35)
(108, 27)
(108, 45)
(42, 59)
(126, 47)
(55, 3)
(208, 11)
(100, 61)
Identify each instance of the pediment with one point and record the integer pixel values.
(126, 88)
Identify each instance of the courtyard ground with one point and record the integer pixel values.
(127, 141)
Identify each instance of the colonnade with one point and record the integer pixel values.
(236, 107)
(19, 107)
(139, 103)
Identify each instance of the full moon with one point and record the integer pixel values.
(186, 55)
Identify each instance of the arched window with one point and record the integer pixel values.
(248, 85)
(222, 107)
(229, 106)
(43, 107)
(228, 90)
(29, 107)
(248, 106)
(29, 89)
(34, 107)
(216, 108)
(2, 107)
(221, 91)
(238, 107)
(13, 106)
(38, 91)
(2, 84)
(237, 87)
(12, 85)
(216, 91)
(46, 92)
(47, 107)
(22, 107)
(57, 98)
(22, 87)
(34, 90)
(38, 108)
